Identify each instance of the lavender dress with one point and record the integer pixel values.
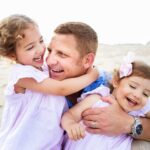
(103, 142)
(31, 120)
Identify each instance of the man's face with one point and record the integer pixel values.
(64, 60)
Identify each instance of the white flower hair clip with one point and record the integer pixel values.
(126, 66)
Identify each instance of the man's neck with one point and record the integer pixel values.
(73, 97)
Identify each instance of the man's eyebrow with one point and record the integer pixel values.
(41, 38)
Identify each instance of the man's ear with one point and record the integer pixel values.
(88, 60)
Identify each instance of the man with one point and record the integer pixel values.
(71, 52)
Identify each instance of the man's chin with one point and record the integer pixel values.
(56, 77)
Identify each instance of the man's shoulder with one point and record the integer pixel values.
(103, 79)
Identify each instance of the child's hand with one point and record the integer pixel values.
(76, 131)
(93, 72)
(18, 89)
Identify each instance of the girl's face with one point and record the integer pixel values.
(132, 93)
(30, 49)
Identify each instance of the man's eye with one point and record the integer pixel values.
(62, 55)
(145, 94)
(41, 41)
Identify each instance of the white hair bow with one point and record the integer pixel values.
(126, 66)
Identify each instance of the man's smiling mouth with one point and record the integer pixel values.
(57, 70)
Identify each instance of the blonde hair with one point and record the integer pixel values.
(11, 30)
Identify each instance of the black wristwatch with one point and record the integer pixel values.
(136, 128)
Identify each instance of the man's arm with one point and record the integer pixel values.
(113, 120)
(146, 128)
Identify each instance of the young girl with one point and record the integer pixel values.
(131, 89)
(31, 118)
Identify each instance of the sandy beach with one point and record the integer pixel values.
(108, 57)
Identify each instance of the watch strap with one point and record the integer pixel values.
(136, 128)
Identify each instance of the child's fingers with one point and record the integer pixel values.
(82, 132)
(70, 135)
(74, 133)
(79, 134)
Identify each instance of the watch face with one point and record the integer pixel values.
(139, 129)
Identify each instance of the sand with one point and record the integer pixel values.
(108, 57)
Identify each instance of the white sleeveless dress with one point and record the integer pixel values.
(31, 121)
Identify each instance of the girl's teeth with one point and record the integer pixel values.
(132, 101)
(37, 59)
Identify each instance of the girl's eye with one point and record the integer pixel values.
(132, 86)
(29, 48)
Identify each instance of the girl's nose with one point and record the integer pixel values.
(138, 94)
(51, 59)
(40, 49)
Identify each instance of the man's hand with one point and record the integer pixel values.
(110, 120)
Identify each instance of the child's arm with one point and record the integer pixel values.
(70, 119)
(148, 115)
(64, 87)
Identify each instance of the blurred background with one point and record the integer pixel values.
(121, 25)
(116, 21)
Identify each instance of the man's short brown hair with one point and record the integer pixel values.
(86, 37)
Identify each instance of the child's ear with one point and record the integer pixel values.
(115, 82)
(13, 57)
(88, 60)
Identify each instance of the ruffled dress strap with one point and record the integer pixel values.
(103, 79)
(142, 111)
(23, 71)
(101, 90)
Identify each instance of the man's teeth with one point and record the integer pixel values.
(58, 71)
